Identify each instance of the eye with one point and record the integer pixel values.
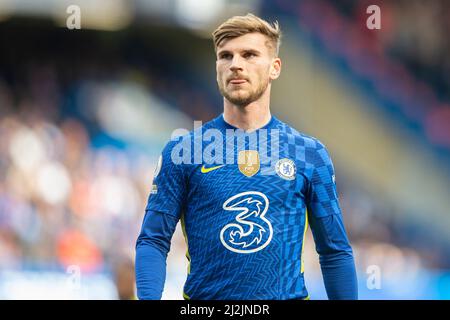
(225, 56)
(249, 55)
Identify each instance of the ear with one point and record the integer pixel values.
(275, 68)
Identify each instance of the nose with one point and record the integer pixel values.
(236, 63)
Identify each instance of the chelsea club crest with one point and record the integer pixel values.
(285, 168)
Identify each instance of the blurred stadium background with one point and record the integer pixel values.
(85, 113)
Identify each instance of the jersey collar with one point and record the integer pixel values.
(220, 122)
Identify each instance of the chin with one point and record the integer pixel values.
(240, 101)
(239, 95)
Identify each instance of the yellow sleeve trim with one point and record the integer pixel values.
(302, 268)
(183, 228)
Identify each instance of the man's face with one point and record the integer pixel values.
(245, 66)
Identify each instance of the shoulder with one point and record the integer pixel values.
(309, 150)
(180, 148)
(300, 138)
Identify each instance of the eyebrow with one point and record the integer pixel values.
(243, 50)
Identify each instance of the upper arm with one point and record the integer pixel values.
(324, 212)
(322, 198)
(164, 204)
(168, 190)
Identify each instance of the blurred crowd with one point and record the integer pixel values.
(415, 34)
(62, 202)
(404, 65)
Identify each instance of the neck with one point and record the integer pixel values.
(250, 117)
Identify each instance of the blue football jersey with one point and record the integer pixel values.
(244, 206)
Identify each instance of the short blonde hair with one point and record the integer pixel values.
(240, 25)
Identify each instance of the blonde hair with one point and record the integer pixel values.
(240, 25)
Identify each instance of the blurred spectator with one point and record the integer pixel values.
(124, 278)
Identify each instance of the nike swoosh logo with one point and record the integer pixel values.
(206, 170)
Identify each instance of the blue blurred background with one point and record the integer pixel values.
(84, 115)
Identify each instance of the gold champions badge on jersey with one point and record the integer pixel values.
(248, 162)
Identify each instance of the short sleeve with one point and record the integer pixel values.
(168, 189)
(322, 198)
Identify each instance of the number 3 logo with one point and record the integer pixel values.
(251, 231)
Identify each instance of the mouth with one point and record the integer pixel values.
(237, 81)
